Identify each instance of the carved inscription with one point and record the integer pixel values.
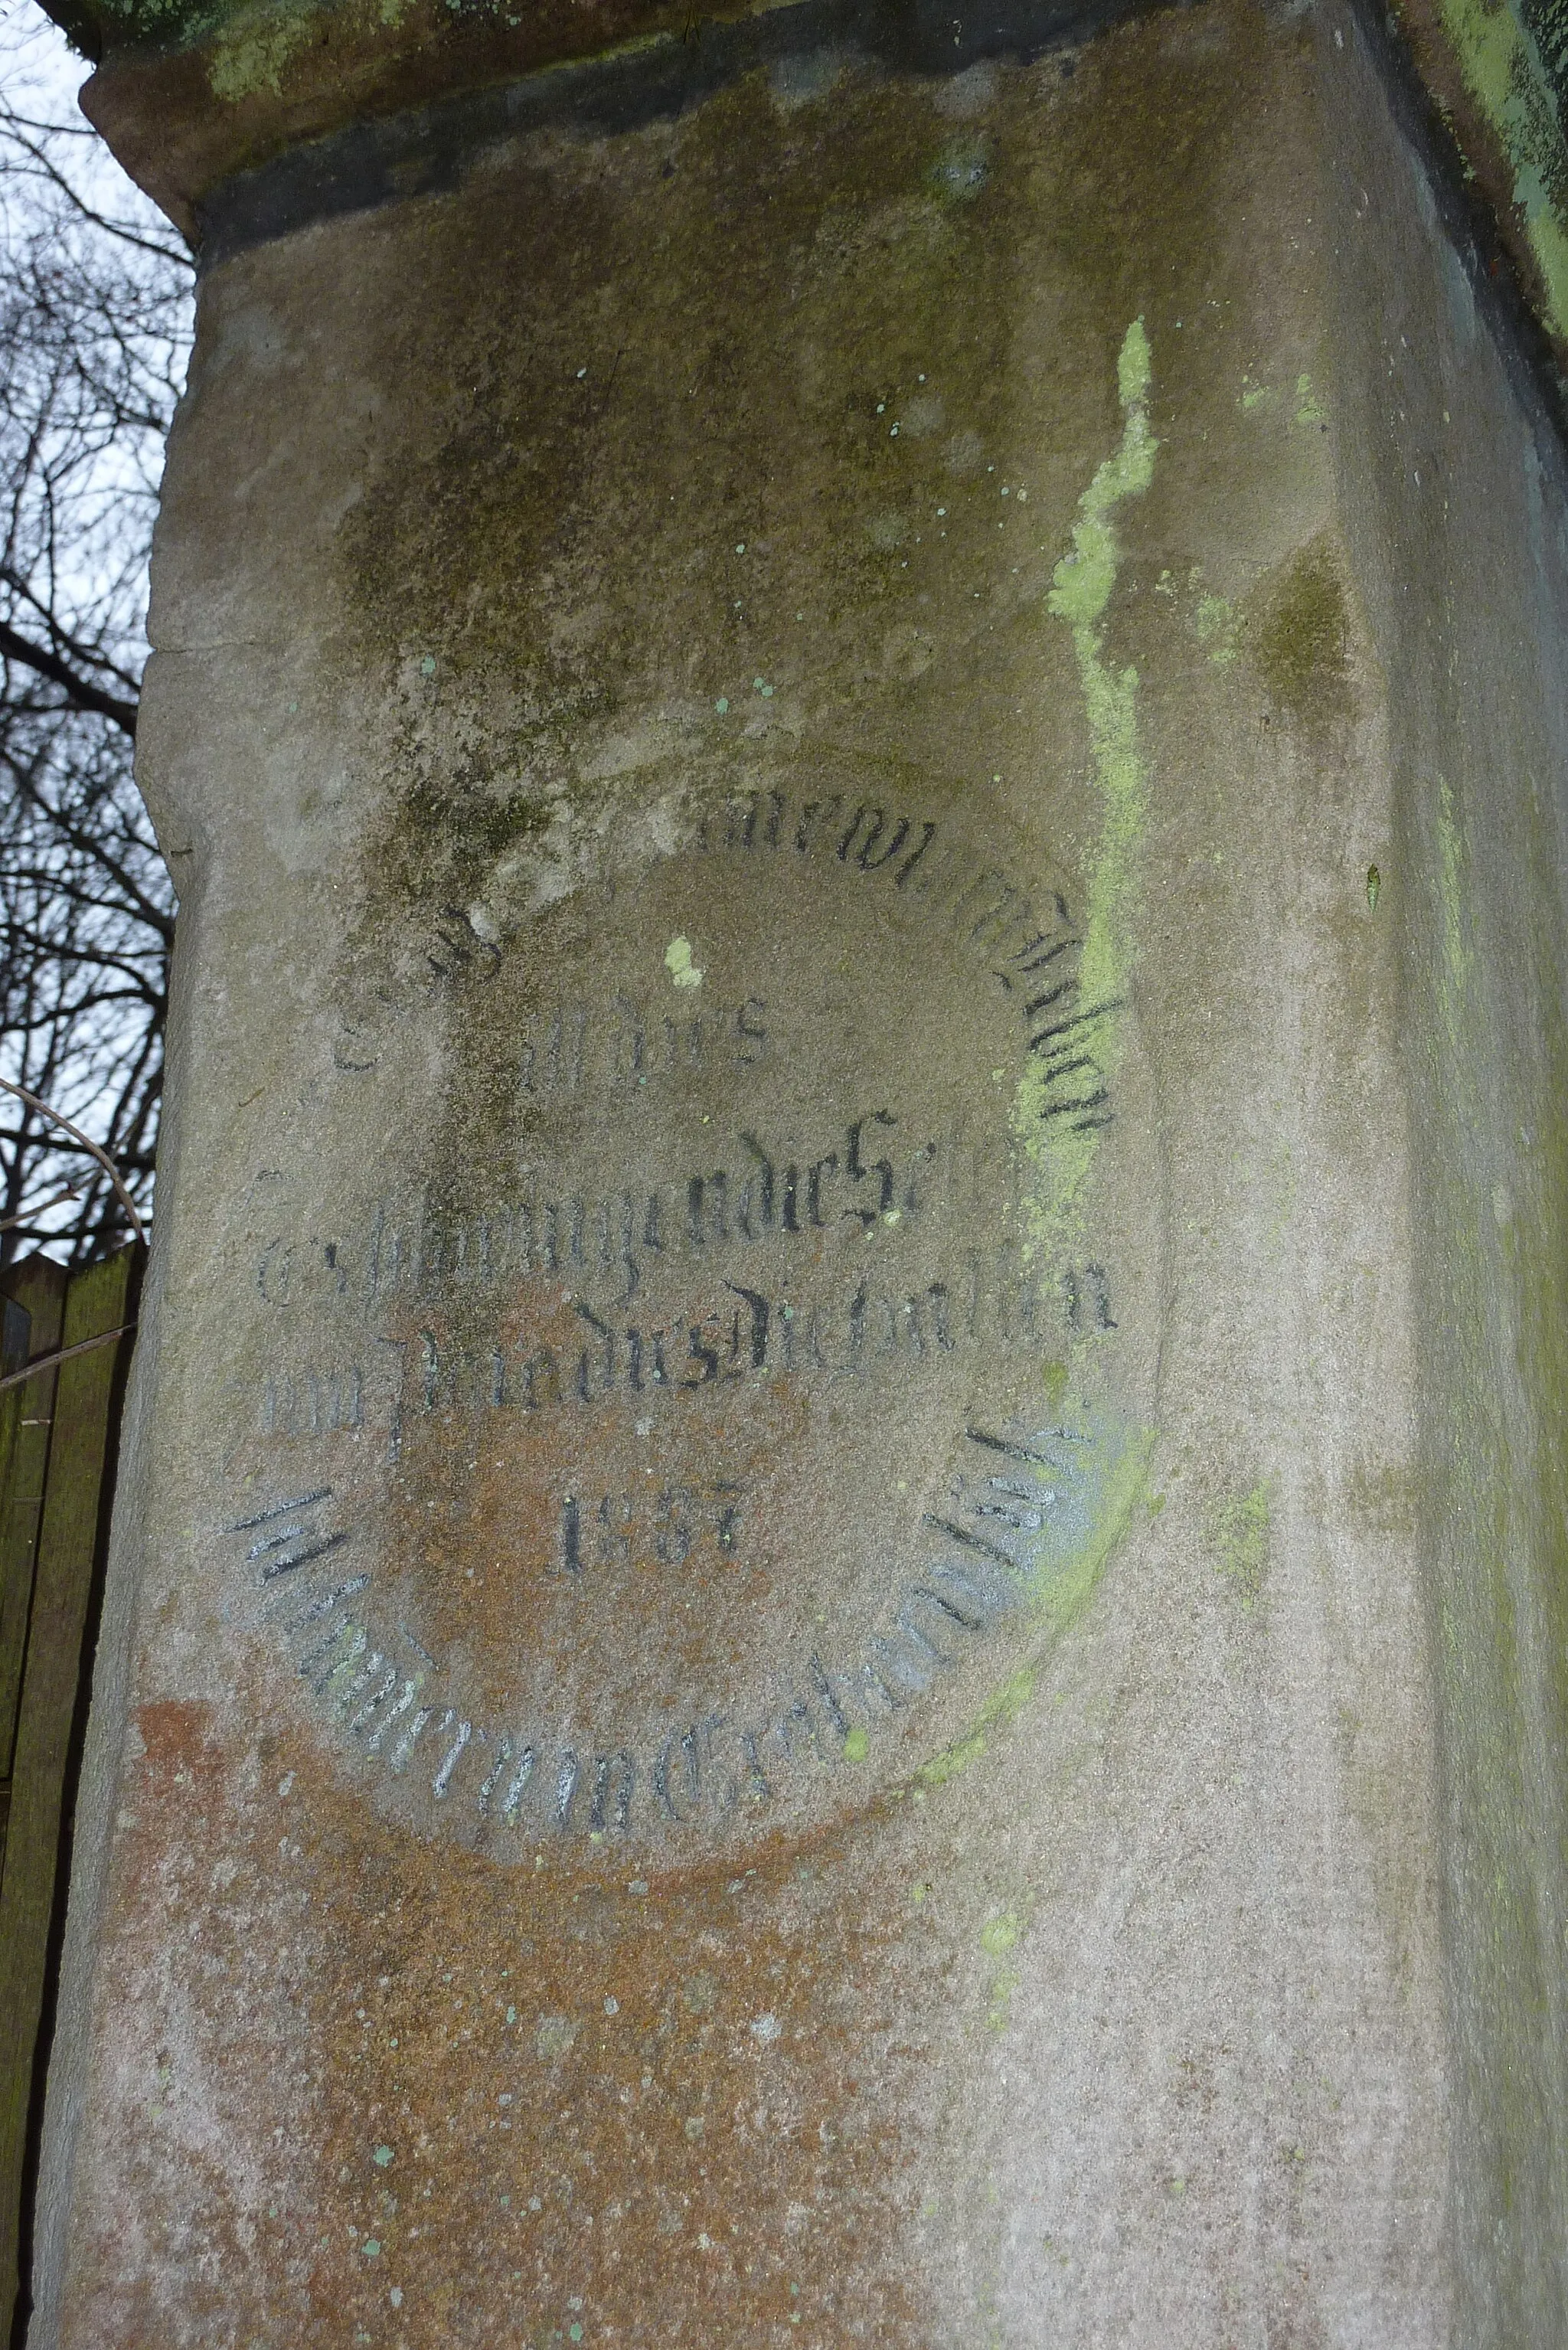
(1018, 933)
(664, 1528)
(759, 1193)
(975, 1562)
(657, 1449)
(580, 1049)
(866, 1333)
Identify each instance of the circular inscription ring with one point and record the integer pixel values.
(665, 1452)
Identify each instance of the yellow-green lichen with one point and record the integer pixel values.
(1240, 1536)
(250, 55)
(1215, 624)
(1310, 409)
(1002, 1986)
(998, 1937)
(1004, 1705)
(1080, 591)
(678, 962)
(999, 1933)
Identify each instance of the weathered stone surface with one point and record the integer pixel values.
(842, 1528)
(190, 93)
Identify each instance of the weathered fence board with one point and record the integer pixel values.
(34, 1315)
(58, 1438)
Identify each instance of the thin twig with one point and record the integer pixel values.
(9, 1223)
(47, 1362)
(104, 1161)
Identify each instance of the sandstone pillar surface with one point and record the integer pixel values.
(835, 1609)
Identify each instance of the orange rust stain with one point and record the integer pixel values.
(174, 1732)
(355, 2064)
(469, 1522)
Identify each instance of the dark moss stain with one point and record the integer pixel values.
(1302, 642)
(689, 403)
(647, 456)
(665, 356)
(444, 840)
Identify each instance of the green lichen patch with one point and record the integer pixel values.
(1000, 1708)
(999, 1933)
(1214, 623)
(1239, 1537)
(252, 52)
(999, 1937)
(1310, 410)
(1081, 589)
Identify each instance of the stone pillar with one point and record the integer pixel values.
(836, 1607)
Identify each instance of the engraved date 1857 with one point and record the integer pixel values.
(663, 1528)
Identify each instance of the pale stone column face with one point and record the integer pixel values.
(777, 1688)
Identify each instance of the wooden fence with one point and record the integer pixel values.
(59, 1428)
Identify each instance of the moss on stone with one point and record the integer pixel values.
(252, 51)
(445, 836)
(1240, 1538)
(1508, 77)
(830, 312)
(249, 40)
(1301, 642)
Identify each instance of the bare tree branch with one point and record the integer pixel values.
(42, 1109)
(95, 302)
(39, 141)
(78, 691)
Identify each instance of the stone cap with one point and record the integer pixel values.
(191, 94)
(188, 94)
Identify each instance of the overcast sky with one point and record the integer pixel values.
(36, 57)
(40, 74)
